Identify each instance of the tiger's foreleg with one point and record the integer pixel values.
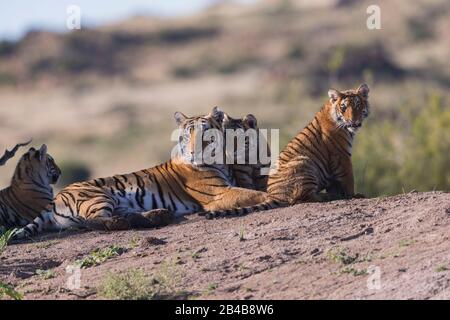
(232, 198)
(343, 187)
(155, 218)
(45, 221)
(108, 223)
(151, 219)
(159, 217)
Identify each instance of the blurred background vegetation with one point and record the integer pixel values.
(103, 98)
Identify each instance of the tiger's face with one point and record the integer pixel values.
(350, 108)
(197, 133)
(39, 167)
(240, 126)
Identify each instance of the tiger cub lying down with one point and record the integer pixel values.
(30, 190)
(318, 158)
(179, 186)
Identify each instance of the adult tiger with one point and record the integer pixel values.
(150, 197)
(30, 190)
(318, 158)
(247, 175)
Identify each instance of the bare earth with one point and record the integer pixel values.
(290, 253)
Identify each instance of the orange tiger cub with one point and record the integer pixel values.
(30, 190)
(149, 197)
(318, 158)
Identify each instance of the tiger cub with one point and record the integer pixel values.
(318, 158)
(247, 175)
(150, 197)
(30, 190)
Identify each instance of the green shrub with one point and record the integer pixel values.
(426, 164)
(5, 289)
(132, 285)
(4, 239)
(411, 152)
(98, 256)
(136, 285)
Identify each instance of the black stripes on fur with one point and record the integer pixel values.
(267, 205)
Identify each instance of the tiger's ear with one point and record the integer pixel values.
(179, 117)
(217, 114)
(42, 152)
(334, 95)
(363, 90)
(250, 121)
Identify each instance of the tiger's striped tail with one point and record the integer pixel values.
(267, 205)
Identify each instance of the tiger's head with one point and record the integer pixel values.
(241, 126)
(197, 133)
(349, 108)
(248, 122)
(38, 167)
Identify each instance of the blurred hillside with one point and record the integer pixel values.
(103, 99)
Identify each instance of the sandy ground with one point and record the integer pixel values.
(396, 248)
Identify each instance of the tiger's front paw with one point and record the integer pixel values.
(159, 217)
(20, 234)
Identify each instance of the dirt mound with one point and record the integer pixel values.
(396, 247)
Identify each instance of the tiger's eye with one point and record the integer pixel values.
(343, 107)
